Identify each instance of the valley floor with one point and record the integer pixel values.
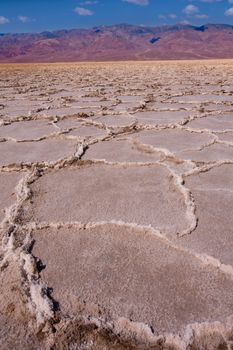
(116, 205)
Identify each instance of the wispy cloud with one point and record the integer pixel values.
(81, 11)
(207, 1)
(24, 19)
(4, 20)
(89, 2)
(162, 17)
(210, 1)
(138, 2)
(169, 16)
(172, 16)
(185, 22)
(201, 16)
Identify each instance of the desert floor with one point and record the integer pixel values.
(116, 206)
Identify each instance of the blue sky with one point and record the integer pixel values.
(40, 15)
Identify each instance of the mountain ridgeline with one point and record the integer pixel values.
(120, 42)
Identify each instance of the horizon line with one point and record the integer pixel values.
(120, 24)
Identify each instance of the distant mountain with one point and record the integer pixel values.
(120, 42)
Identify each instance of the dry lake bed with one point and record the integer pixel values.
(116, 206)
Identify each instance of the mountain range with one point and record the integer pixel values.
(119, 42)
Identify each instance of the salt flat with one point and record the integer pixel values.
(116, 206)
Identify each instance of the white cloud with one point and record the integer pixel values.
(201, 16)
(191, 10)
(23, 19)
(138, 2)
(229, 12)
(83, 12)
(4, 20)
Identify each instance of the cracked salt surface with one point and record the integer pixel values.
(31, 152)
(161, 117)
(116, 206)
(150, 192)
(146, 270)
(213, 192)
(8, 182)
(220, 123)
(27, 130)
(121, 150)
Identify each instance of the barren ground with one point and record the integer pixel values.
(116, 206)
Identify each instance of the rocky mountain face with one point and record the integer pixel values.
(119, 42)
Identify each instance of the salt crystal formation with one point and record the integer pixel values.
(116, 207)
